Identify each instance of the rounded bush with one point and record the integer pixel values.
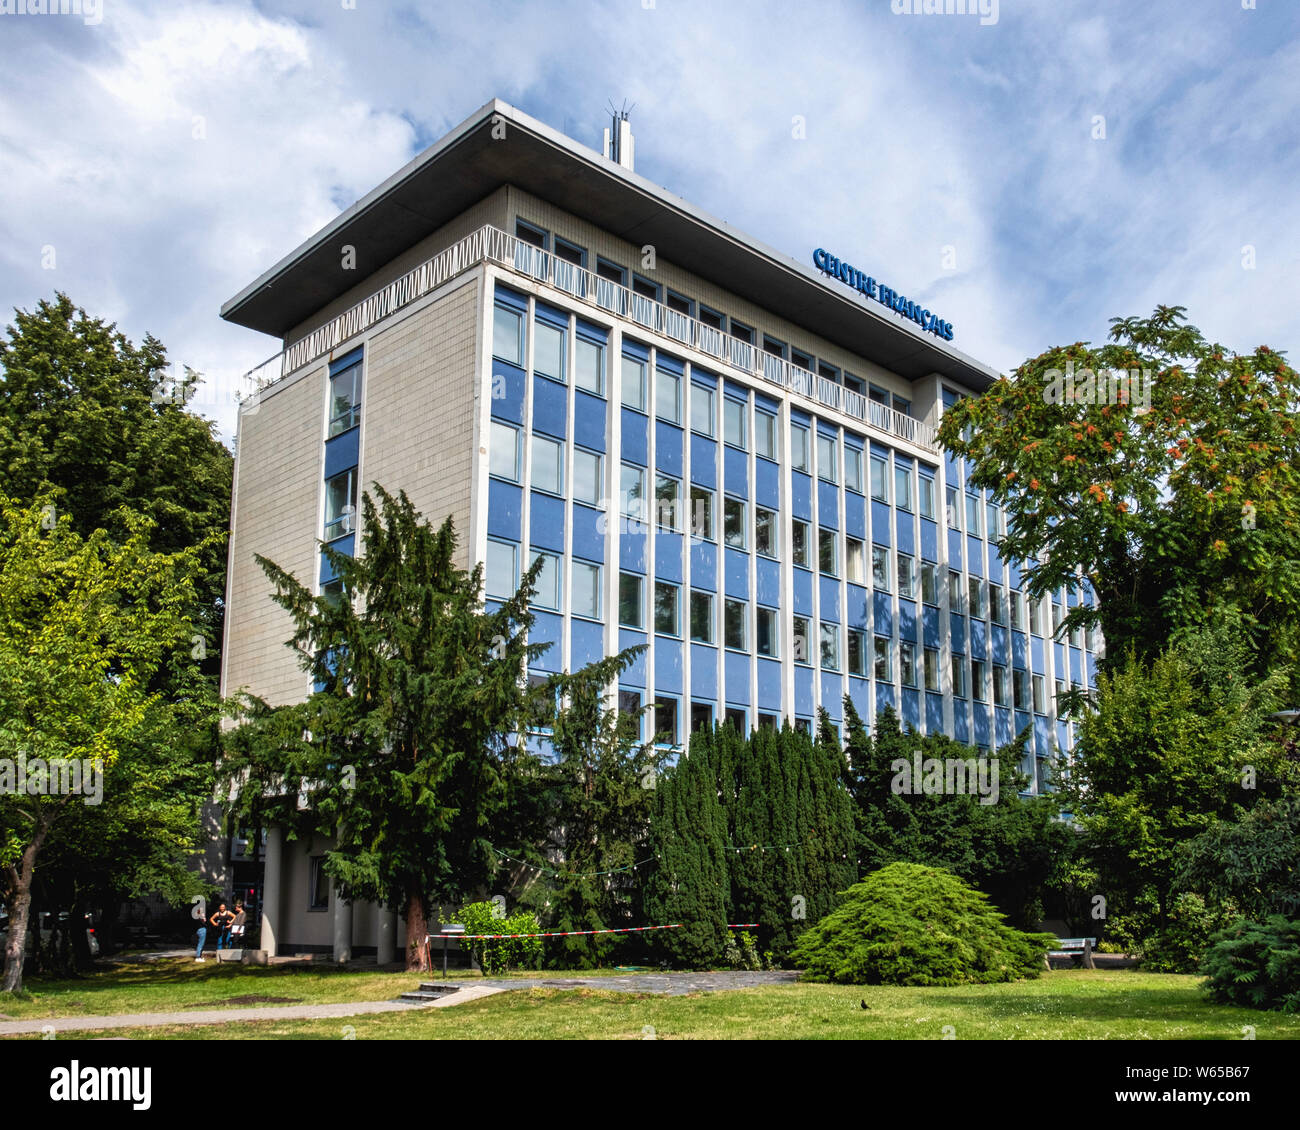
(907, 924)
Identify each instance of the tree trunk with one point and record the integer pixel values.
(417, 930)
(19, 912)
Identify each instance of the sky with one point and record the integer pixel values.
(1032, 168)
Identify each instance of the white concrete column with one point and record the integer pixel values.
(342, 926)
(271, 885)
(386, 941)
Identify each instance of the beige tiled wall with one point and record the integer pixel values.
(277, 498)
(418, 434)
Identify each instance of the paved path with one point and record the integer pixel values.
(670, 984)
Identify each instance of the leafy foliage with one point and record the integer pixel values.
(1013, 850)
(1180, 945)
(1256, 964)
(497, 955)
(1181, 506)
(407, 749)
(1252, 863)
(908, 924)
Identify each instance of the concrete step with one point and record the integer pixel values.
(428, 991)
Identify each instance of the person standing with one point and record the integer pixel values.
(237, 926)
(222, 920)
(202, 933)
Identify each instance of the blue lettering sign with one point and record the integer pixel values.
(867, 286)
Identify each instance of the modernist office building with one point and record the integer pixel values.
(720, 452)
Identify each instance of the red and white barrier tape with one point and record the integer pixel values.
(575, 933)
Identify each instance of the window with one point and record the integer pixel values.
(734, 615)
(530, 234)
(907, 663)
(884, 669)
(319, 899)
(733, 523)
(548, 581)
(879, 395)
(504, 453)
(853, 469)
(954, 592)
(800, 638)
(764, 434)
(589, 366)
(586, 590)
(735, 718)
(679, 302)
(345, 399)
(702, 409)
(701, 717)
(925, 494)
(570, 252)
(772, 346)
(801, 360)
(332, 592)
(1057, 618)
(611, 271)
(734, 431)
(629, 706)
(827, 558)
(508, 335)
(930, 665)
(712, 318)
(666, 609)
(799, 548)
(666, 720)
(631, 605)
(973, 515)
(855, 552)
(701, 617)
(1019, 689)
(826, 461)
(977, 680)
(830, 646)
(769, 722)
(1035, 617)
(548, 465)
(905, 577)
(1040, 703)
(880, 568)
(857, 653)
(929, 583)
(588, 476)
(340, 504)
(767, 634)
(902, 487)
(668, 396)
(667, 504)
(1076, 637)
(798, 447)
(632, 496)
(997, 613)
(901, 405)
(879, 478)
(976, 591)
(548, 350)
(702, 513)
(767, 540)
(999, 686)
(953, 508)
(501, 570)
(1017, 610)
(803, 726)
(742, 333)
(958, 676)
(991, 516)
(633, 383)
(645, 288)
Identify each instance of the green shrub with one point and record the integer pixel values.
(907, 924)
(499, 954)
(1179, 947)
(1255, 964)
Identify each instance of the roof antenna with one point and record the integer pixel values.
(619, 145)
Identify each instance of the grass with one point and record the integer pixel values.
(175, 984)
(1079, 1004)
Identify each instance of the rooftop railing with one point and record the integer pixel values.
(492, 245)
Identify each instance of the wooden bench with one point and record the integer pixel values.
(1072, 948)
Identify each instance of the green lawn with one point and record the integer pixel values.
(1061, 1005)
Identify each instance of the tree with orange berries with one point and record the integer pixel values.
(1173, 487)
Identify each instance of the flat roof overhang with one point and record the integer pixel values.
(470, 163)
